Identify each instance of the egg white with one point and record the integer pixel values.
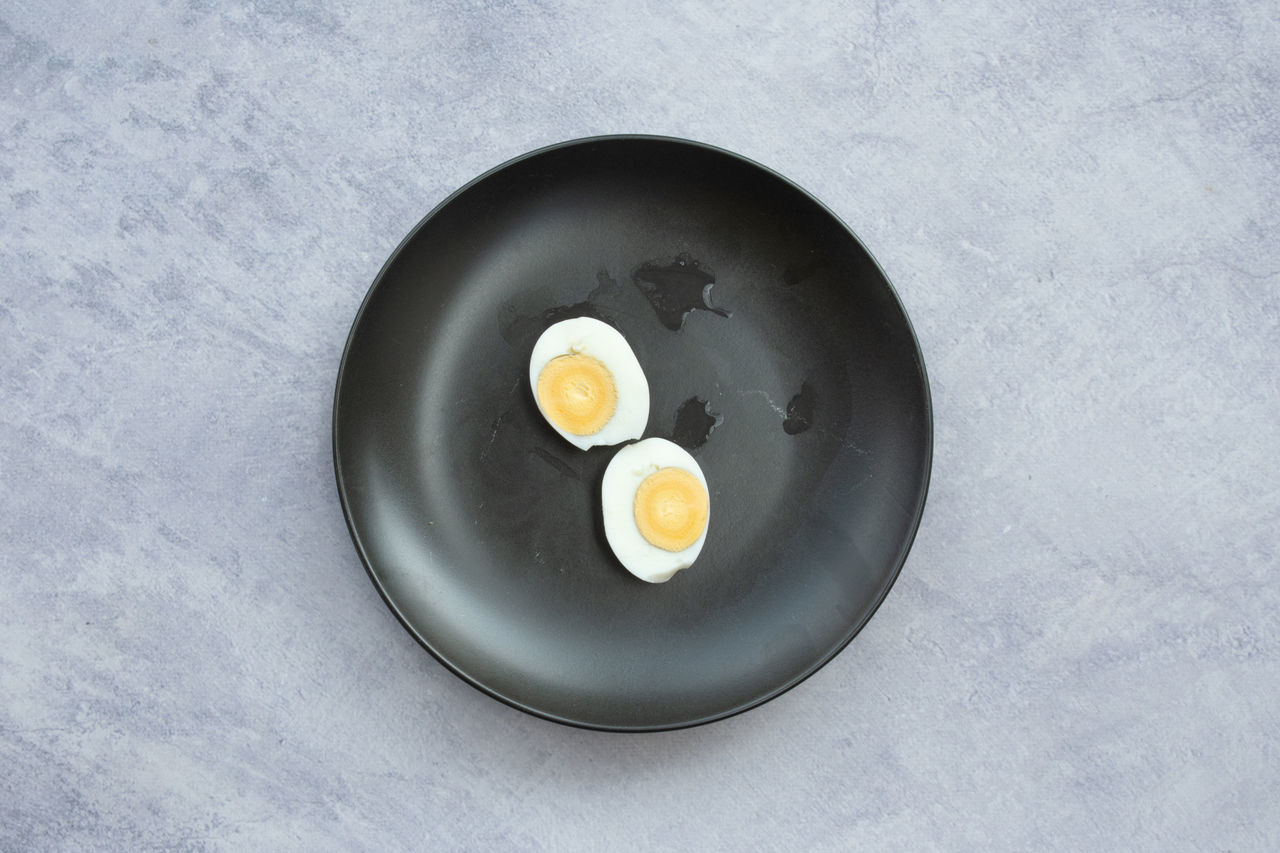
(587, 336)
(624, 474)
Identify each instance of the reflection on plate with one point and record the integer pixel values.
(777, 353)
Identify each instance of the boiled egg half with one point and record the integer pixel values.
(656, 507)
(588, 384)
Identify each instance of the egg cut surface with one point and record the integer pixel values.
(588, 384)
(656, 508)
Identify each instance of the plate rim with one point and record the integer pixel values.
(855, 629)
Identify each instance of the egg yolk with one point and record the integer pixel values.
(577, 393)
(671, 509)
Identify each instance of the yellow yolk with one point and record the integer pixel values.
(577, 393)
(671, 509)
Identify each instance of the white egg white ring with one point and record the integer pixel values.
(625, 473)
(587, 336)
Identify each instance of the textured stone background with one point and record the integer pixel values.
(1079, 205)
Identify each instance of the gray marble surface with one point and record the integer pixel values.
(1079, 206)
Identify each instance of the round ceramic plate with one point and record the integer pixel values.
(777, 353)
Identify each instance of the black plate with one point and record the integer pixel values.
(795, 380)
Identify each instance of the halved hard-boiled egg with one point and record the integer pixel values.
(656, 508)
(588, 384)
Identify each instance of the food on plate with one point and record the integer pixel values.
(588, 384)
(656, 507)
